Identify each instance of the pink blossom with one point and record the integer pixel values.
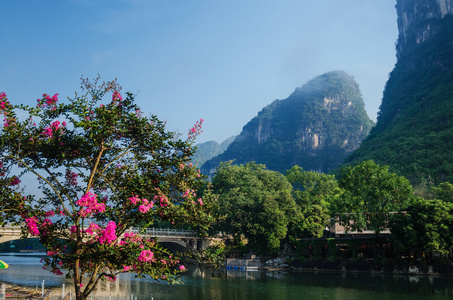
(93, 228)
(134, 200)
(143, 208)
(47, 222)
(90, 202)
(50, 213)
(132, 237)
(117, 96)
(182, 268)
(14, 181)
(55, 125)
(57, 272)
(195, 130)
(32, 226)
(126, 268)
(145, 255)
(71, 178)
(108, 235)
(47, 132)
(73, 229)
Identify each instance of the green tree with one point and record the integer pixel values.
(443, 192)
(370, 194)
(256, 203)
(102, 167)
(313, 193)
(427, 225)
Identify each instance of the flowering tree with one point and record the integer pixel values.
(101, 168)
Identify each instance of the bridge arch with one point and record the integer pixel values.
(176, 240)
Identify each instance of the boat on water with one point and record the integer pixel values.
(3, 265)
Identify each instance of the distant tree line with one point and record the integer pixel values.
(265, 209)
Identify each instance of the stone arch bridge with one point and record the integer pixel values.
(176, 240)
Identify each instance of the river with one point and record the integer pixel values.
(26, 269)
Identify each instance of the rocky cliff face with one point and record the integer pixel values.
(414, 130)
(415, 20)
(315, 127)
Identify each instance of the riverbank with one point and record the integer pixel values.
(408, 268)
(14, 291)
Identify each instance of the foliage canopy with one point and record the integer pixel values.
(101, 167)
(256, 202)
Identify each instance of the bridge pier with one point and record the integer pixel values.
(200, 244)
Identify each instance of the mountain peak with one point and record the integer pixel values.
(315, 127)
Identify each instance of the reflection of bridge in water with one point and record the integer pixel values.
(128, 287)
(177, 240)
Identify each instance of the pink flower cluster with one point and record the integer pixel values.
(14, 181)
(162, 199)
(145, 204)
(90, 202)
(53, 128)
(103, 236)
(93, 229)
(188, 193)
(48, 101)
(35, 229)
(71, 178)
(145, 256)
(108, 235)
(117, 96)
(183, 166)
(4, 101)
(130, 238)
(126, 268)
(49, 213)
(4, 106)
(195, 130)
(32, 224)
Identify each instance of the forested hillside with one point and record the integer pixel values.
(316, 127)
(414, 130)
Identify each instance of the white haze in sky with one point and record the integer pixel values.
(222, 61)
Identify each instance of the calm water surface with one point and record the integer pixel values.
(25, 269)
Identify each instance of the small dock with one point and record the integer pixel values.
(242, 264)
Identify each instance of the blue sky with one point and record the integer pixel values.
(222, 61)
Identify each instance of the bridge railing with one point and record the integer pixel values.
(9, 230)
(162, 232)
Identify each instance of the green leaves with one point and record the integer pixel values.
(107, 149)
(257, 204)
(426, 225)
(370, 194)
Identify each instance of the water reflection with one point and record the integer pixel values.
(217, 284)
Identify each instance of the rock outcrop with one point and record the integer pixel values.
(414, 129)
(316, 127)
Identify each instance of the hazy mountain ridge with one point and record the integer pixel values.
(316, 127)
(414, 130)
(210, 149)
